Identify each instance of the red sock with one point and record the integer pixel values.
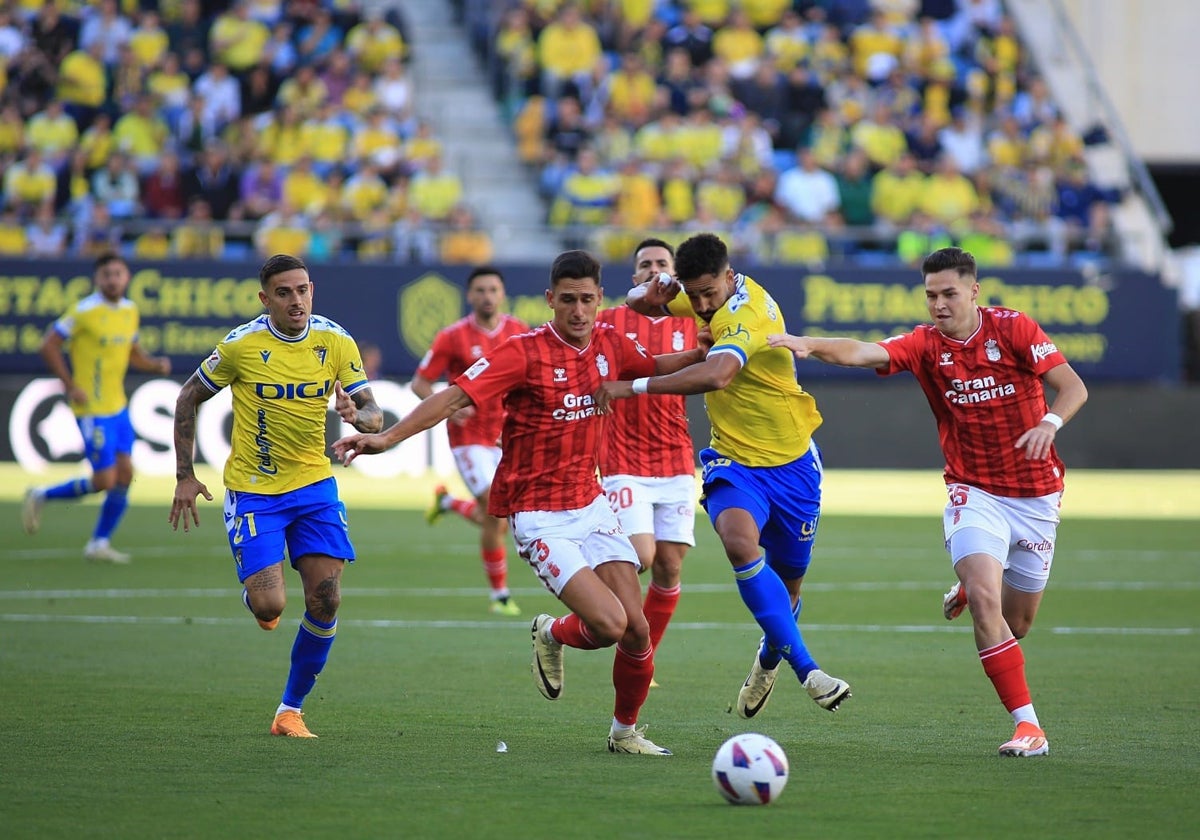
(464, 507)
(1004, 665)
(572, 632)
(659, 607)
(495, 566)
(632, 673)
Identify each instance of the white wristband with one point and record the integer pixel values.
(640, 386)
(1053, 419)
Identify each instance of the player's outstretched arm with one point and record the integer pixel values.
(426, 415)
(847, 352)
(1070, 395)
(651, 298)
(712, 374)
(187, 486)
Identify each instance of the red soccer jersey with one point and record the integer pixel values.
(455, 349)
(551, 429)
(985, 393)
(648, 435)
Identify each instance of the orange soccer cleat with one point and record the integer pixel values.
(290, 724)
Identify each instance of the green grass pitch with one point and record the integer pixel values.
(135, 701)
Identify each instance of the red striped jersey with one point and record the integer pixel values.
(551, 435)
(985, 393)
(648, 435)
(455, 349)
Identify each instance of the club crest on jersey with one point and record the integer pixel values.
(266, 355)
(947, 359)
(602, 364)
(320, 351)
(677, 341)
(476, 351)
(560, 374)
(992, 349)
(631, 336)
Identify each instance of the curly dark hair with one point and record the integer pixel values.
(699, 255)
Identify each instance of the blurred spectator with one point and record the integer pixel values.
(678, 192)
(170, 86)
(1034, 105)
(190, 31)
(516, 71)
(464, 242)
(879, 137)
(116, 185)
(149, 41)
(162, 189)
(196, 236)
(279, 53)
(434, 191)
(1055, 142)
(282, 137)
(317, 40)
(195, 128)
(379, 142)
(637, 205)
(214, 179)
(747, 144)
(804, 98)
(106, 28)
(1081, 211)
(588, 193)
(221, 94)
(855, 188)
(948, 195)
(896, 194)
(962, 140)
(14, 242)
(567, 134)
(304, 92)
(787, 44)
(305, 190)
(421, 147)
(142, 134)
(739, 45)
(258, 91)
(807, 192)
(260, 188)
(722, 196)
(29, 183)
(12, 132)
(12, 37)
(924, 144)
(46, 236)
(631, 91)
(374, 41)
(764, 93)
(95, 232)
(692, 36)
(152, 244)
(325, 138)
(283, 231)
(393, 91)
(236, 40)
(53, 35)
(82, 83)
(337, 76)
(677, 83)
(53, 133)
(568, 49)
(363, 194)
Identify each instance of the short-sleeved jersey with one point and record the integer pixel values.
(648, 435)
(99, 335)
(763, 418)
(551, 436)
(281, 390)
(455, 349)
(985, 393)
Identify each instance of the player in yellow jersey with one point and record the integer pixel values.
(99, 335)
(762, 470)
(280, 494)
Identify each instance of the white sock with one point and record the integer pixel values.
(619, 728)
(1026, 714)
(283, 707)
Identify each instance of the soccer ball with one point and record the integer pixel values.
(750, 769)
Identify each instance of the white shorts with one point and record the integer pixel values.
(477, 466)
(558, 543)
(1019, 532)
(664, 507)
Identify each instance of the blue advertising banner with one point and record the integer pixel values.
(1117, 326)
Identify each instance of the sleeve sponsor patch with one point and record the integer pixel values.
(474, 370)
(211, 363)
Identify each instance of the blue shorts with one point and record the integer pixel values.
(311, 520)
(785, 502)
(106, 437)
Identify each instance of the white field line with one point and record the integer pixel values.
(471, 592)
(392, 624)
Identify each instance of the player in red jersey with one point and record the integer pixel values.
(474, 431)
(982, 370)
(546, 482)
(647, 464)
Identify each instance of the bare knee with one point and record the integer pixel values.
(323, 601)
(608, 629)
(267, 604)
(104, 481)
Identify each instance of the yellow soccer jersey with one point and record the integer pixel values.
(763, 418)
(99, 336)
(282, 387)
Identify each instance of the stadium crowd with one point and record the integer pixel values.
(203, 128)
(802, 130)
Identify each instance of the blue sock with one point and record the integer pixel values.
(115, 502)
(313, 641)
(764, 594)
(72, 489)
(769, 656)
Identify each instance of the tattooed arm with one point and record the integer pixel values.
(187, 486)
(358, 409)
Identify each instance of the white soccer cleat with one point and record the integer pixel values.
(826, 691)
(31, 510)
(634, 742)
(1027, 741)
(756, 690)
(547, 665)
(99, 551)
(954, 601)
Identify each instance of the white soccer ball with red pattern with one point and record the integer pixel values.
(750, 769)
